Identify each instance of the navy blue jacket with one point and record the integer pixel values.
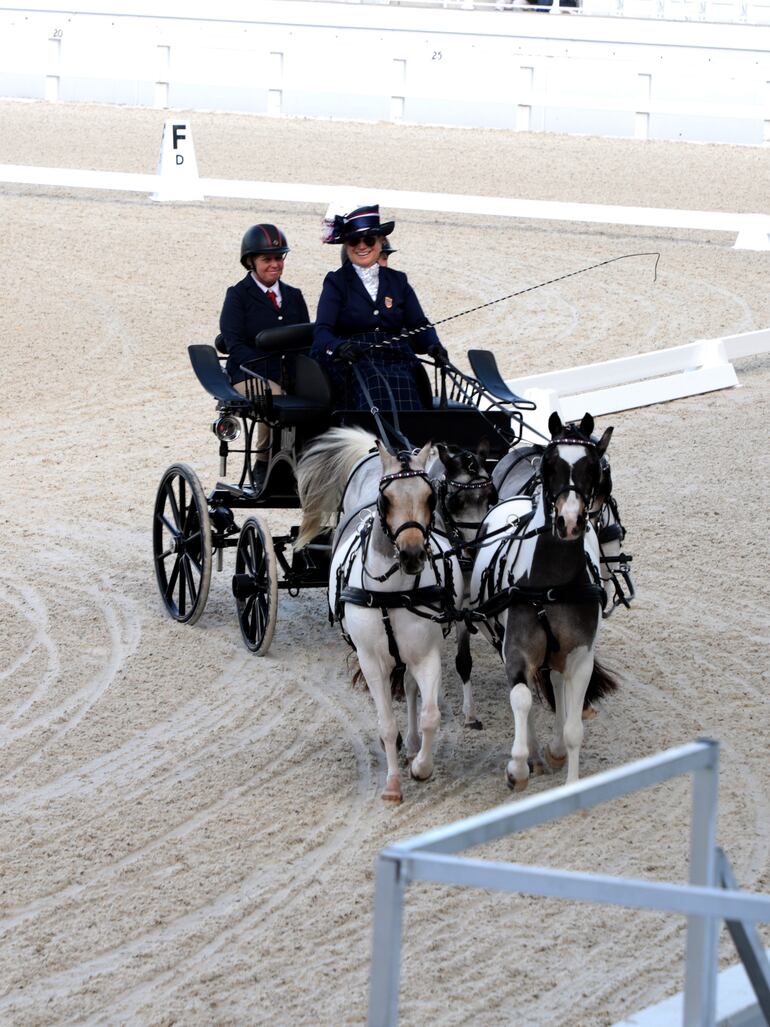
(246, 312)
(346, 309)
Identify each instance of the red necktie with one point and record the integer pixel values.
(273, 299)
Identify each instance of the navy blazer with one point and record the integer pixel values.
(346, 309)
(246, 312)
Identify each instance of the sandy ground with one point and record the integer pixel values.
(187, 833)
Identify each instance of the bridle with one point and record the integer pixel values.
(550, 497)
(452, 526)
(388, 479)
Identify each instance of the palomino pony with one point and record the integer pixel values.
(537, 583)
(394, 582)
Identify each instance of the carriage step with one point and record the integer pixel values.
(236, 490)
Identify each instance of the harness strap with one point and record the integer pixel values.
(400, 668)
(374, 410)
(435, 597)
(585, 592)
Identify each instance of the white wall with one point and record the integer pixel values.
(502, 69)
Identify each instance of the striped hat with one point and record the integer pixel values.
(360, 221)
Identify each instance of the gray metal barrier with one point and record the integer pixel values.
(431, 857)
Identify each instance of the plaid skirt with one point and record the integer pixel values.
(388, 376)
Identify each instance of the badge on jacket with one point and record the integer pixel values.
(388, 300)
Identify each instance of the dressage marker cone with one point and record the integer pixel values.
(177, 166)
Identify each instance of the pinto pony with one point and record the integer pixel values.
(394, 582)
(537, 583)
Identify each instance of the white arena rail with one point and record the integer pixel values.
(178, 179)
(639, 380)
(752, 230)
(432, 857)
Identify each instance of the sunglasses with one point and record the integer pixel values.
(369, 240)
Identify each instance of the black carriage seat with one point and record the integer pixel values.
(211, 375)
(488, 374)
(310, 400)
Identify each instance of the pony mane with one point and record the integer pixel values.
(322, 472)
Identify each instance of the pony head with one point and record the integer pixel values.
(572, 474)
(405, 505)
(467, 490)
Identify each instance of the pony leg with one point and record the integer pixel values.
(464, 664)
(427, 673)
(556, 751)
(379, 687)
(517, 771)
(577, 675)
(412, 733)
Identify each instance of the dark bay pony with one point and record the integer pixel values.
(394, 582)
(537, 583)
(466, 493)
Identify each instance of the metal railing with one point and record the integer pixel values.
(431, 857)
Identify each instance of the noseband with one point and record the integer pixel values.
(387, 480)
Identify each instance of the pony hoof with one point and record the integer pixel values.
(419, 777)
(554, 762)
(589, 711)
(474, 725)
(392, 791)
(537, 768)
(514, 785)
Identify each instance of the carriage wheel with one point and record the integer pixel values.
(181, 543)
(255, 586)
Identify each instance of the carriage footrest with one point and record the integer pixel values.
(244, 491)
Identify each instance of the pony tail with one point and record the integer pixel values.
(322, 472)
(602, 683)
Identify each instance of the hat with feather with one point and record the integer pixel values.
(361, 221)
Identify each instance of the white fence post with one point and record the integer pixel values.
(389, 886)
(702, 930)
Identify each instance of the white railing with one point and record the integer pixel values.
(742, 12)
(432, 857)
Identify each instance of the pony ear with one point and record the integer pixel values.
(555, 427)
(389, 461)
(587, 425)
(483, 449)
(421, 458)
(604, 441)
(443, 453)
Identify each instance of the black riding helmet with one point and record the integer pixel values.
(262, 239)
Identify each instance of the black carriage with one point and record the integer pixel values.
(191, 527)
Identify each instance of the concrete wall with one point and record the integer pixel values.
(499, 69)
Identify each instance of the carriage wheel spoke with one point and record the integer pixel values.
(191, 586)
(182, 604)
(172, 528)
(174, 506)
(169, 593)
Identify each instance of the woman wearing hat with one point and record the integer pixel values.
(259, 301)
(363, 310)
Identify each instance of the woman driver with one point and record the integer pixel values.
(362, 312)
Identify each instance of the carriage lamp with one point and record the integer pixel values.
(226, 428)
